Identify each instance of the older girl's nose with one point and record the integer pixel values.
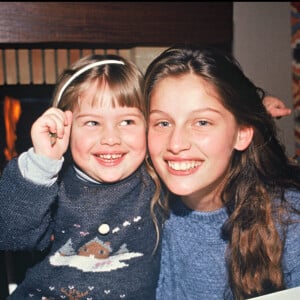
(178, 140)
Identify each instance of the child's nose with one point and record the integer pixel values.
(111, 136)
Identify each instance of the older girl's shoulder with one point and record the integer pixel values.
(293, 197)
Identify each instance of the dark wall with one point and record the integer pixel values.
(116, 24)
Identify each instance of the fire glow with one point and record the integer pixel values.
(12, 113)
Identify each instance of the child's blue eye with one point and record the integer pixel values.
(91, 123)
(126, 122)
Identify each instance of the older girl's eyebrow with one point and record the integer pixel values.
(201, 110)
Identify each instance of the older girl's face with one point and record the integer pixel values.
(191, 139)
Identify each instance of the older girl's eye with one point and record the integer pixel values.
(164, 124)
(203, 123)
(126, 122)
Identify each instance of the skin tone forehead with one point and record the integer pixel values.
(198, 87)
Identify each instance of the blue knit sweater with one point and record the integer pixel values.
(193, 263)
(86, 260)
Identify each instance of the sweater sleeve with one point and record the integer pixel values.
(39, 169)
(25, 214)
(291, 254)
(164, 282)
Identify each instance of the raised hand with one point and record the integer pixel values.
(50, 133)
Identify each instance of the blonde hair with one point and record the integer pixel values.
(125, 82)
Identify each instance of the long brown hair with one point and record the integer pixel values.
(254, 192)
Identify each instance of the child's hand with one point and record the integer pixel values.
(50, 133)
(276, 107)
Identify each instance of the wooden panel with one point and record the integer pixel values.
(37, 66)
(116, 23)
(24, 66)
(11, 66)
(85, 52)
(41, 66)
(62, 61)
(74, 55)
(50, 64)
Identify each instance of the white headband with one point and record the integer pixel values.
(79, 72)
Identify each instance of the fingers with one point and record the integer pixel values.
(66, 130)
(50, 133)
(276, 107)
(54, 121)
(278, 112)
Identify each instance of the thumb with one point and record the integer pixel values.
(68, 122)
(67, 127)
(69, 117)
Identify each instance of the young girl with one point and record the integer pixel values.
(95, 216)
(234, 225)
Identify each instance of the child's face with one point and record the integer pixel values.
(108, 143)
(191, 139)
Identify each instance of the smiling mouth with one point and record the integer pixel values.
(109, 158)
(184, 165)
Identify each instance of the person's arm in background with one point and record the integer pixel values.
(276, 107)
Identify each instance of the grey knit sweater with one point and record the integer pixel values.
(193, 254)
(104, 236)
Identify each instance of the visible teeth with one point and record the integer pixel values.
(110, 156)
(183, 166)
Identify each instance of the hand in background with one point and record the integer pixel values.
(276, 107)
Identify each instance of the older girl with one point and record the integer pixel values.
(233, 230)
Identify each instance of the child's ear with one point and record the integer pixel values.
(244, 138)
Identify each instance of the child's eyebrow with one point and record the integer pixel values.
(87, 115)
